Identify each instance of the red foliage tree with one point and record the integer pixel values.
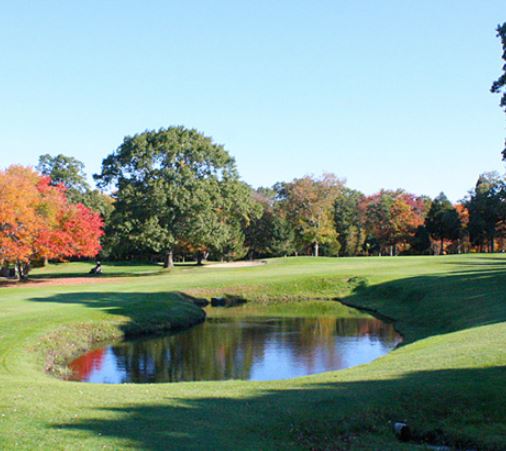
(37, 221)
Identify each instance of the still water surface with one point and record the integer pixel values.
(241, 348)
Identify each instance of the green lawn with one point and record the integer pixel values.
(447, 380)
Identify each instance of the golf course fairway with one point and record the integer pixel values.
(447, 380)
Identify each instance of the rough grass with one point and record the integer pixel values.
(446, 381)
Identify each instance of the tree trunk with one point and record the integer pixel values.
(315, 250)
(442, 248)
(391, 251)
(169, 260)
(201, 257)
(22, 270)
(45, 261)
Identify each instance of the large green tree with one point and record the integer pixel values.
(499, 86)
(69, 172)
(175, 189)
(443, 221)
(65, 170)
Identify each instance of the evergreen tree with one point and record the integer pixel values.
(420, 243)
(486, 206)
(443, 221)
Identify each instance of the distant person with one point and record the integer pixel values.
(97, 269)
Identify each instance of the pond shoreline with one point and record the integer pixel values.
(336, 338)
(68, 342)
(376, 314)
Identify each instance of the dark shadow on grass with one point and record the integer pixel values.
(480, 260)
(80, 275)
(457, 407)
(146, 312)
(112, 269)
(4, 282)
(440, 303)
(156, 269)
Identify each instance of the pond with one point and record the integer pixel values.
(250, 348)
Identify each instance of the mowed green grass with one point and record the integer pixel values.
(447, 380)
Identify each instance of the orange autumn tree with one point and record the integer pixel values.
(391, 218)
(20, 223)
(37, 221)
(463, 244)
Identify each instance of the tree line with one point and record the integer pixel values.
(175, 194)
(323, 216)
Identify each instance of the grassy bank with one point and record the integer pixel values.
(446, 380)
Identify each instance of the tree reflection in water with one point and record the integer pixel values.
(241, 348)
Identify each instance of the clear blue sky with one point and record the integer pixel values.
(383, 93)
